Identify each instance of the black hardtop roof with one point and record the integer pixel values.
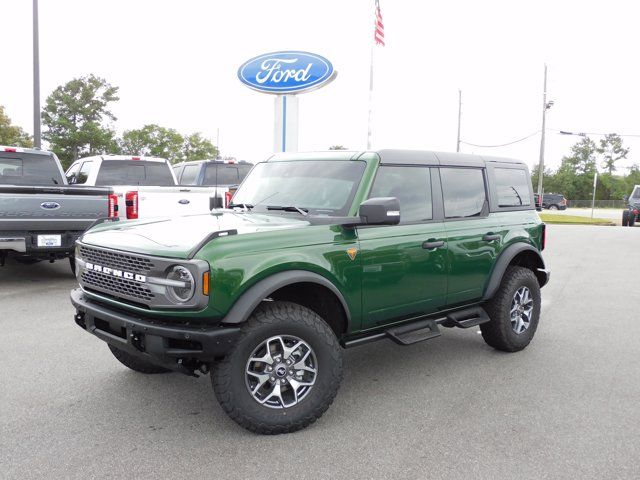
(403, 157)
(424, 157)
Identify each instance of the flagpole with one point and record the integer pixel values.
(370, 101)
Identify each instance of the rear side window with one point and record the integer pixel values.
(512, 187)
(190, 174)
(463, 191)
(221, 174)
(134, 172)
(27, 169)
(411, 186)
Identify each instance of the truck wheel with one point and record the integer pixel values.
(514, 311)
(625, 218)
(135, 363)
(632, 219)
(553, 207)
(283, 373)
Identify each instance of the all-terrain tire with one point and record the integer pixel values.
(625, 218)
(270, 320)
(499, 332)
(135, 363)
(632, 219)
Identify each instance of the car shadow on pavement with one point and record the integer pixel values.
(373, 373)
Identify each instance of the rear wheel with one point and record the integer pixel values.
(514, 311)
(135, 363)
(553, 207)
(632, 219)
(625, 218)
(283, 373)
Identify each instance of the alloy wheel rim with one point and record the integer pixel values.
(521, 310)
(281, 371)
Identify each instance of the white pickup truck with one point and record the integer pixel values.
(145, 187)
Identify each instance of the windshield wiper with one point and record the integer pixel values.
(246, 206)
(301, 211)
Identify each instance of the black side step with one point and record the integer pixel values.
(469, 317)
(414, 332)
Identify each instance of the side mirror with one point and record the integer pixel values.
(380, 211)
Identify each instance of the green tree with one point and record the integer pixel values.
(337, 147)
(76, 116)
(12, 135)
(611, 150)
(153, 141)
(196, 147)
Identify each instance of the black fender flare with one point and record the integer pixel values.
(503, 261)
(249, 300)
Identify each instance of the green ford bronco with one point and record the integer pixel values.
(318, 252)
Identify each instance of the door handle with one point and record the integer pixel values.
(432, 244)
(490, 237)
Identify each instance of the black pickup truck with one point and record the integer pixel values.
(40, 215)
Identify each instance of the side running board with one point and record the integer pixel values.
(469, 317)
(414, 332)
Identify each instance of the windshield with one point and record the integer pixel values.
(29, 169)
(636, 193)
(322, 187)
(134, 172)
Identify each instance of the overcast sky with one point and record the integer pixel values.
(176, 65)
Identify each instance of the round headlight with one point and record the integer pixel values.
(181, 294)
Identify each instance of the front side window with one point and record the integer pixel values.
(512, 187)
(83, 174)
(321, 187)
(411, 186)
(463, 191)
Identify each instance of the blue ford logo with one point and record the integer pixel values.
(286, 72)
(49, 205)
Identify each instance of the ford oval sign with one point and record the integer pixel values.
(286, 72)
(50, 205)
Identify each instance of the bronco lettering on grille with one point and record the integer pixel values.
(115, 272)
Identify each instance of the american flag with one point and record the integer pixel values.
(379, 32)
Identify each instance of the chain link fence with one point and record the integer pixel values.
(598, 204)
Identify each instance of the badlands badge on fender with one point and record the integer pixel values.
(352, 252)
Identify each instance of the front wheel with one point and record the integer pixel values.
(283, 373)
(514, 311)
(553, 207)
(632, 219)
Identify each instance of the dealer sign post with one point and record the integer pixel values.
(286, 74)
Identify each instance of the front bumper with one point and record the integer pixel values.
(176, 347)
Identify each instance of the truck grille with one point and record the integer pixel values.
(117, 286)
(121, 261)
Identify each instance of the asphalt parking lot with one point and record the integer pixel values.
(566, 407)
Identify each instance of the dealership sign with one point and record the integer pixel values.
(287, 72)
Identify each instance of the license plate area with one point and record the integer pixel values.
(48, 241)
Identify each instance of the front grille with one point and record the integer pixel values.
(120, 261)
(116, 285)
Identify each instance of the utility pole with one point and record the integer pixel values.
(218, 140)
(459, 117)
(36, 79)
(545, 107)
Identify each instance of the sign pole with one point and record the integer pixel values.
(593, 198)
(370, 101)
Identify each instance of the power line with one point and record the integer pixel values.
(565, 132)
(502, 144)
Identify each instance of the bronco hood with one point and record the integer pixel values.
(177, 237)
